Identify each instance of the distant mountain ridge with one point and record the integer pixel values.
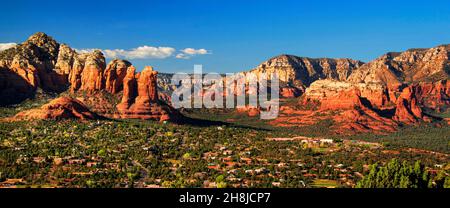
(304, 70)
(413, 65)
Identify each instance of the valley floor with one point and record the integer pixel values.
(227, 150)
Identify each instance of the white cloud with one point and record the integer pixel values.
(5, 46)
(191, 51)
(148, 52)
(142, 52)
(182, 56)
(187, 53)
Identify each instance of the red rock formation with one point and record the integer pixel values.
(147, 86)
(60, 108)
(129, 90)
(92, 76)
(433, 95)
(146, 105)
(249, 110)
(343, 100)
(290, 92)
(407, 110)
(31, 63)
(75, 74)
(304, 71)
(114, 75)
(376, 94)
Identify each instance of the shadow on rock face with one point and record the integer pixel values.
(13, 88)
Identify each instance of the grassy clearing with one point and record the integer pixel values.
(324, 183)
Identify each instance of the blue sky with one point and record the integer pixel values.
(237, 35)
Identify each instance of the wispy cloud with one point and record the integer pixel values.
(182, 56)
(148, 52)
(192, 51)
(5, 46)
(187, 53)
(142, 52)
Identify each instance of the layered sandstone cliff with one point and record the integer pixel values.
(302, 71)
(414, 65)
(377, 94)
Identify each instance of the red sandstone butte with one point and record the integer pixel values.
(60, 108)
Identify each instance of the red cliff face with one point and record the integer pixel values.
(408, 110)
(343, 100)
(355, 113)
(114, 75)
(376, 94)
(29, 66)
(129, 90)
(433, 95)
(290, 92)
(92, 76)
(140, 99)
(147, 86)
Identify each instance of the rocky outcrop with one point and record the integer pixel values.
(140, 98)
(129, 90)
(290, 92)
(408, 110)
(41, 63)
(433, 95)
(65, 63)
(411, 66)
(302, 71)
(114, 75)
(147, 86)
(376, 94)
(30, 65)
(355, 114)
(75, 75)
(92, 75)
(349, 112)
(60, 108)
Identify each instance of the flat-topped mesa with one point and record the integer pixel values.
(321, 90)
